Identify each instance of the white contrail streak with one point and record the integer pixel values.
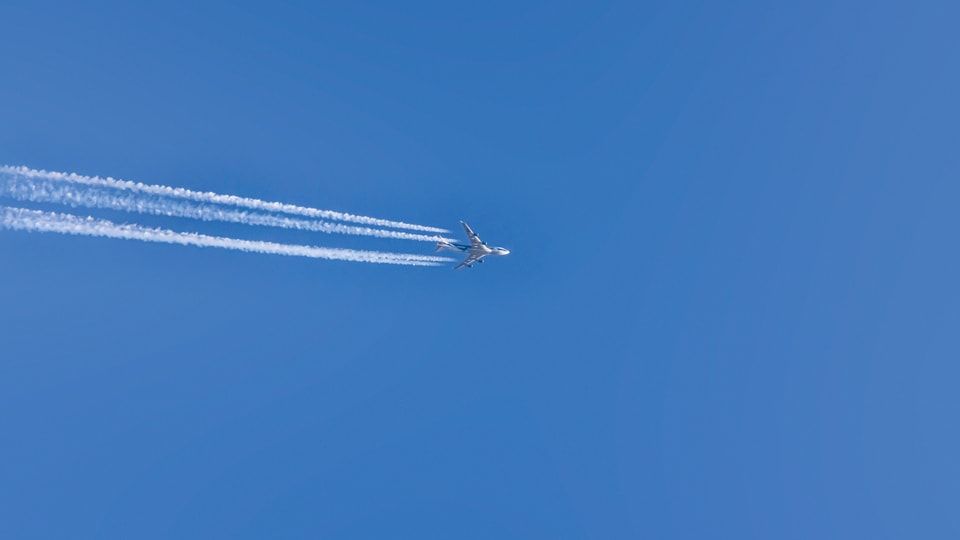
(45, 191)
(211, 198)
(40, 221)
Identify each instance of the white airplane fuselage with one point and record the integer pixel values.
(479, 251)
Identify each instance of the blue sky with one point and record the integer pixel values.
(730, 310)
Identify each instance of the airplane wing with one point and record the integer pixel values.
(474, 239)
(467, 262)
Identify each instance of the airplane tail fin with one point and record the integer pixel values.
(443, 244)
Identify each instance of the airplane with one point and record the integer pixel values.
(476, 251)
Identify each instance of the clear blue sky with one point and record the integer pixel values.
(730, 311)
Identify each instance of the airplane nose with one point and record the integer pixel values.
(506, 252)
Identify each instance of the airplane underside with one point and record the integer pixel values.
(476, 251)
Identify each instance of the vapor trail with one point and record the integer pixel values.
(24, 188)
(212, 198)
(39, 221)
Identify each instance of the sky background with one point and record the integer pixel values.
(730, 310)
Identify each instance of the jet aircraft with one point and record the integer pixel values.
(476, 251)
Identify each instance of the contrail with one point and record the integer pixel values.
(212, 198)
(25, 188)
(40, 221)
